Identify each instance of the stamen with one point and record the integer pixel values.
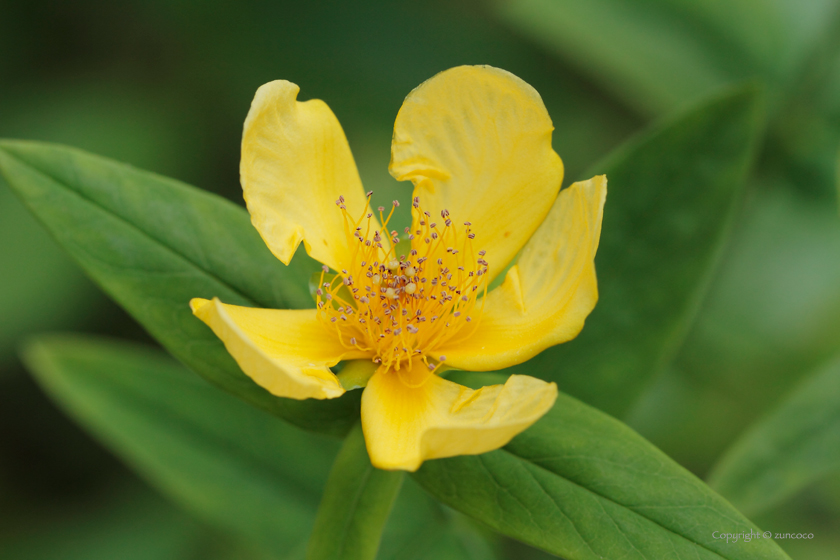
(378, 302)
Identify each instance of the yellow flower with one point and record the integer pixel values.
(476, 143)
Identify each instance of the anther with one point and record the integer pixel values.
(410, 288)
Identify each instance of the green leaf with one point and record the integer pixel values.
(234, 465)
(231, 464)
(772, 316)
(356, 503)
(153, 244)
(128, 524)
(662, 52)
(837, 179)
(795, 445)
(651, 63)
(672, 196)
(42, 289)
(582, 485)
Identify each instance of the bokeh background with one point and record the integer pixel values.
(165, 86)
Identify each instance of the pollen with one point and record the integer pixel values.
(400, 308)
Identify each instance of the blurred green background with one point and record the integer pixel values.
(165, 86)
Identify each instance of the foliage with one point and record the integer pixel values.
(715, 337)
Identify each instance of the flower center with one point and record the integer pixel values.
(400, 307)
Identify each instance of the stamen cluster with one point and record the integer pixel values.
(399, 307)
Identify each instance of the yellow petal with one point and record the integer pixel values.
(410, 418)
(295, 164)
(287, 352)
(476, 140)
(547, 295)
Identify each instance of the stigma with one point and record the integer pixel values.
(399, 305)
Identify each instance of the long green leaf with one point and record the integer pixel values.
(672, 196)
(657, 54)
(230, 463)
(355, 505)
(582, 485)
(795, 445)
(633, 63)
(131, 523)
(42, 289)
(152, 244)
(772, 316)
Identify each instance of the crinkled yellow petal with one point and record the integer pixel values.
(295, 164)
(287, 352)
(547, 295)
(408, 417)
(476, 140)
